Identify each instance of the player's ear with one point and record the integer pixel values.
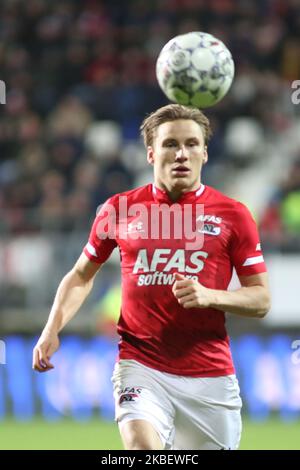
(150, 155)
(205, 155)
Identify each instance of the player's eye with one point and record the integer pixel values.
(192, 143)
(170, 144)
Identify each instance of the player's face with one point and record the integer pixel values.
(177, 155)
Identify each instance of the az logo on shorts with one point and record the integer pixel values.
(129, 394)
(127, 397)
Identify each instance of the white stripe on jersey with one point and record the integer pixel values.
(200, 190)
(91, 249)
(254, 260)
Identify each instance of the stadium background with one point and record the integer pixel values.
(80, 77)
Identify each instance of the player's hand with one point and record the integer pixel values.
(190, 293)
(44, 349)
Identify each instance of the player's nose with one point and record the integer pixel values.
(181, 154)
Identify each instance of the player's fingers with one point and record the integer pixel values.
(182, 292)
(192, 304)
(179, 277)
(186, 284)
(45, 358)
(43, 367)
(39, 366)
(180, 284)
(186, 298)
(41, 362)
(46, 362)
(181, 280)
(37, 362)
(35, 359)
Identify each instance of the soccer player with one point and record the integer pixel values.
(174, 380)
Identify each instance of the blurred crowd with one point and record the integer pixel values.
(280, 222)
(80, 77)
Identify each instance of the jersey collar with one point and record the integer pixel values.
(161, 196)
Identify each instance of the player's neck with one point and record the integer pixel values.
(175, 194)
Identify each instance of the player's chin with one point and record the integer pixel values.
(182, 182)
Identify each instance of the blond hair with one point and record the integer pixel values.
(172, 112)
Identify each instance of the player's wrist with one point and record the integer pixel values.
(53, 327)
(216, 298)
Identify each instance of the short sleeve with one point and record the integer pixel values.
(245, 248)
(102, 239)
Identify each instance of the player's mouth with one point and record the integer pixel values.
(181, 170)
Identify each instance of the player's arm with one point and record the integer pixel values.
(254, 296)
(251, 300)
(71, 293)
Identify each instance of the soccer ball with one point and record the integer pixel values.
(195, 69)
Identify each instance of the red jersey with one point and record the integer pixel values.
(154, 329)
